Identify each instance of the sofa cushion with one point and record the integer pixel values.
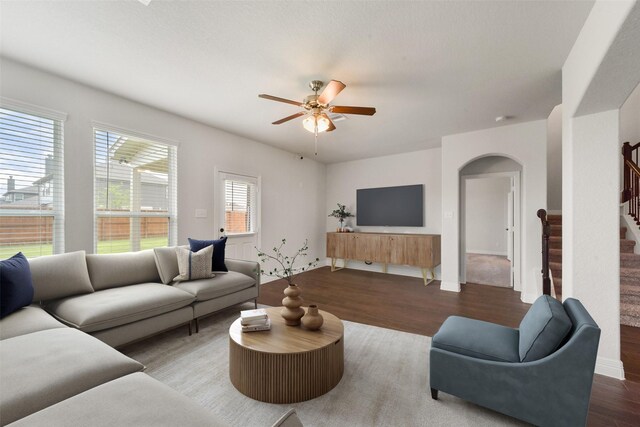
(543, 329)
(194, 265)
(133, 400)
(475, 338)
(113, 270)
(118, 306)
(59, 276)
(218, 251)
(16, 288)
(221, 284)
(27, 320)
(167, 263)
(46, 367)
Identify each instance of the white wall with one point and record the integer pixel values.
(293, 190)
(419, 167)
(525, 143)
(599, 74)
(630, 118)
(491, 164)
(486, 215)
(554, 159)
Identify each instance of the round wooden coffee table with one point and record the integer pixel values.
(288, 363)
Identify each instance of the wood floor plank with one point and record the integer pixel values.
(405, 304)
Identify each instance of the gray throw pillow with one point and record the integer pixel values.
(194, 265)
(542, 329)
(59, 276)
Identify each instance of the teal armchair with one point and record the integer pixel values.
(540, 373)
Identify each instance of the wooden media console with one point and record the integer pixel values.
(416, 250)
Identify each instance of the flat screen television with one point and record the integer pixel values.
(391, 206)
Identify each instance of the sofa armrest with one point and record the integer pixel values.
(249, 268)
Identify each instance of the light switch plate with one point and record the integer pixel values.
(201, 213)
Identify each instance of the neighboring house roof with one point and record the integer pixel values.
(32, 189)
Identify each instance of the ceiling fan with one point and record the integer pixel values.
(316, 107)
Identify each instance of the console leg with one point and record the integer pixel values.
(434, 394)
(255, 303)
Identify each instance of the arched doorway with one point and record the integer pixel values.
(490, 217)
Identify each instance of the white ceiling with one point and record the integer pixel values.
(430, 68)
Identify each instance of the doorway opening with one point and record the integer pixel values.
(490, 223)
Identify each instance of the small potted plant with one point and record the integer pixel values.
(341, 213)
(286, 269)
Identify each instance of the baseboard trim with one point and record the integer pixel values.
(610, 368)
(450, 286)
(483, 252)
(528, 298)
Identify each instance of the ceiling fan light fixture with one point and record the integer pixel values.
(316, 123)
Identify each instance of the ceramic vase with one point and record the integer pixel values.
(313, 319)
(292, 302)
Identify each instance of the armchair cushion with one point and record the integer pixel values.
(478, 339)
(543, 329)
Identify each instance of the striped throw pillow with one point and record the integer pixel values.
(194, 265)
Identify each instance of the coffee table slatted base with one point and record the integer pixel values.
(285, 377)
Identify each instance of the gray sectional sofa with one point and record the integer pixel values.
(56, 368)
(121, 298)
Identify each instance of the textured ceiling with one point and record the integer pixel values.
(430, 68)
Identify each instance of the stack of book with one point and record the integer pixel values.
(255, 320)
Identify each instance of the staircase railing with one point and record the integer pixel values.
(546, 232)
(631, 178)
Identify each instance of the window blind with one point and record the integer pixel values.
(239, 204)
(31, 184)
(135, 190)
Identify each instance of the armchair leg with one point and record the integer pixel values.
(255, 303)
(189, 328)
(197, 325)
(434, 394)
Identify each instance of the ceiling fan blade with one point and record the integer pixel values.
(291, 117)
(342, 109)
(331, 125)
(331, 91)
(275, 98)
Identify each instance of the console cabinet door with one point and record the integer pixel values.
(368, 247)
(393, 249)
(335, 245)
(350, 244)
(419, 251)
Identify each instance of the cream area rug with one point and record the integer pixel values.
(385, 382)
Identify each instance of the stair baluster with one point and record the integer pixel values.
(546, 232)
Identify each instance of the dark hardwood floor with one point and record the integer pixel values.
(405, 304)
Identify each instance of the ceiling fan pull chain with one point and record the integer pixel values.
(316, 138)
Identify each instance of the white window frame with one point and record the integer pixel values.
(221, 177)
(58, 148)
(172, 213)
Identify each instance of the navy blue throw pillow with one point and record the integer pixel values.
(218, 251)
(16, 287)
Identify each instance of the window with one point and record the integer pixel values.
(134, 193)
(31, 181)
(240, 207)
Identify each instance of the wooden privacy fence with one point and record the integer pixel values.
(39, 229)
